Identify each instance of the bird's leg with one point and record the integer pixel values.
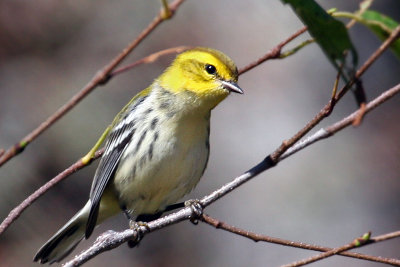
(149, 217)
(136, 225)
(197, 209)
(175, 206)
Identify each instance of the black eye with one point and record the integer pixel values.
(210, 69)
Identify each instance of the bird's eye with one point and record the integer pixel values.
(210, 69)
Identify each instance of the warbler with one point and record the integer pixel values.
(157, 148)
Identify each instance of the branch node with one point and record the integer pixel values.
(360, 115)
(329, 108)
(366, 238)
(103, 78)
(166, 12)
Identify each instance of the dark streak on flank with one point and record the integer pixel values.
(132, 174)
(148, 111)
(155, 137)
(153, 123)
(140, 141)
(150, 153)
(165, 105)
(138, 102)
(165, 92)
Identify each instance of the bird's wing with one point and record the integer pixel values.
(117, 141)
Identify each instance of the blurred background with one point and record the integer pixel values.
(327, 194)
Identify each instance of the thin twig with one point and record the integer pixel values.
(382, 48)
(326, 110)
(16, 212)
(150, 58)
(358, 242)
(334, 128)
(273, 53)
(99, 78)
(117, 238)
(264, 238)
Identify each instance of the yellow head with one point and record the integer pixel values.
(207, 73)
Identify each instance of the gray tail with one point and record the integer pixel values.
(65, 240)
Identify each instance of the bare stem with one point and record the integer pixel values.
(264, 238)
(150, 58)
(274, 53)
(16, 212)
(358, 242)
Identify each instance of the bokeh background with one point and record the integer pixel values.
(327, 194)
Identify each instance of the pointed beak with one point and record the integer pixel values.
(232, 86)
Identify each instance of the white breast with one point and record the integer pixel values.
(168, 160)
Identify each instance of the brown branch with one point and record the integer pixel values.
(264, 238)
(334, 128)
(358, 242)
(99, 78)
(150, 58)
(274, 53)
(326, 110)
(16, 212)
(382, 48)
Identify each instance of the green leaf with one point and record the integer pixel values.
(387, 22)
(330, 34)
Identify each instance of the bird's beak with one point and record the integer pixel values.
(232, 86)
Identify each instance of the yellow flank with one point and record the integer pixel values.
(156, 149)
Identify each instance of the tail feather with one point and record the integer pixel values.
(65, 240)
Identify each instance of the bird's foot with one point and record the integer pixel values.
(137, 227)
(197, 209)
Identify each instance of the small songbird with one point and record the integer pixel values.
(157, 147)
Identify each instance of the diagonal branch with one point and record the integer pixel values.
(274, 53)
(150, 59)
(356, 243)
(327, 109)
(16, 212)
(331, 130)
(263, 238)
(100, 78)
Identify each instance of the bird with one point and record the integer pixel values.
(157, 147)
